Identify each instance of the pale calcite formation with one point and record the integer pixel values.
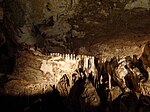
(22, 87)
(37, 73)
(145, 4)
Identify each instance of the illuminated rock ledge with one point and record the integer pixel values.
(36, 73)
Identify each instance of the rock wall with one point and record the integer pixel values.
(99, 28)
(43, 23)
(85, 27)
(38, 73)
(145, 56)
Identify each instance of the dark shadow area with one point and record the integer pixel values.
(7, 60)
(143, 104)
(130, 103)
(75, 94)
(77, 101)
(50, 102)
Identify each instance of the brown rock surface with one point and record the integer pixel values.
(99, 28)
(145, 56)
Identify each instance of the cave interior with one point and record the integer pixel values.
(75, 55)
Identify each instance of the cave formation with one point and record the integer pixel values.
(75, 55)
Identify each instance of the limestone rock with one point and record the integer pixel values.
(145, 57)
(37, 22)
(83, 97)
(63, 86)
(89, 99)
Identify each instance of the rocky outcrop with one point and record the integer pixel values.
(75, 79)
(80, 97)
(33, 67)
(145, 56)
(87, 27)
(37, 72)
(43, 23)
